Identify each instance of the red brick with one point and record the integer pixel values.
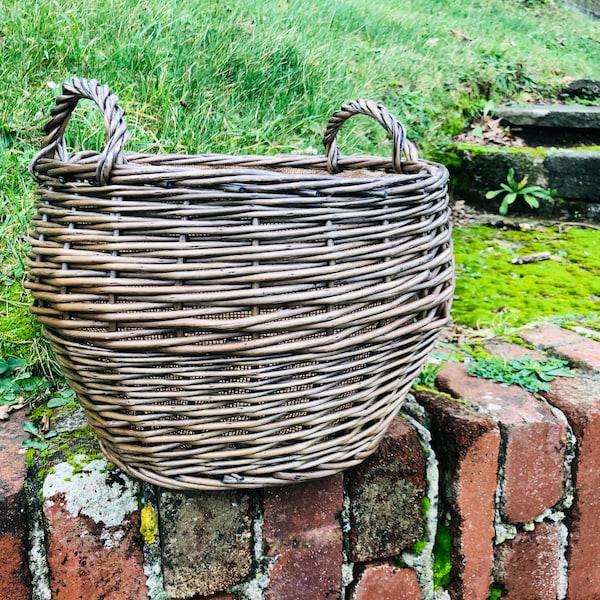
(466, 443)
(302, 531)
(92, 528)
(528, 565)
(14, 571)
(579, 399)
(306, 572)
(212, 529)
(578, 350)
(535, 440)
(385, 493)
(386, 582)
(548, 336)
(509, 351)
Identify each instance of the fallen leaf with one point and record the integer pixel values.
(459, 35)
(45, 424)
(6, 409)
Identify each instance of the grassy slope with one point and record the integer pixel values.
(245, 76)
(264, 76)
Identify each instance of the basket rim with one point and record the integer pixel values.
(283, 168)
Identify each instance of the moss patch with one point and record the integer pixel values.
(491, 290)
(477, 149)
(442, 559)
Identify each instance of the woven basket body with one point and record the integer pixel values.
(238, 321)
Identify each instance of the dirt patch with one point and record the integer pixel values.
(487, 131)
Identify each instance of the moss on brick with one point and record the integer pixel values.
(442, 557)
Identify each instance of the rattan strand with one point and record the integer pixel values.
(238, 321)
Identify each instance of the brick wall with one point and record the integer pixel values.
(513, 479)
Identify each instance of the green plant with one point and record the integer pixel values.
(442, 557)
(61, 397)
(496, 592)
(427, 375)
(437, 359)
(420, 544)
(491, 290)
(39, 426)
(39, 436)
(514, 189)
(531, 374)
(17, 383)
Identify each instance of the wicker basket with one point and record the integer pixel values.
(238, 321)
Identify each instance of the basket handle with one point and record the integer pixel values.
(366, 107)
(114, 124)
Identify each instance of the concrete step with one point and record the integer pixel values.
(574, 173)
(587, 7)
(556, 116)
(561, 153)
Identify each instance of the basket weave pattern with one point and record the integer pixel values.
(238, 321)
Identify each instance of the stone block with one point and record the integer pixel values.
(528, 566)
(466, 443)
(549, 336)
(92, 531)
(534, 441)
(302, 532)
(574, 174)
(310, 571)
(14, 570)
(386, 582)
(206, 541)
(561, 116)
(484, 168)
(584, 87)
(386, 492)
(579, 400)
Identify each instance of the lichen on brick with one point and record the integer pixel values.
(149, 523)
(82, 489)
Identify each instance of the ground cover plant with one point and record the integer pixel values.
(494, 289)
(246, 76)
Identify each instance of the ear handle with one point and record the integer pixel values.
(53, 144)
(366, 107)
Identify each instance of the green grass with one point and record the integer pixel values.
(247, 76)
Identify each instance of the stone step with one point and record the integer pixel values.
(583, 88)
(558, 149)
(587, 7)
(559, 116)
(574, 173)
